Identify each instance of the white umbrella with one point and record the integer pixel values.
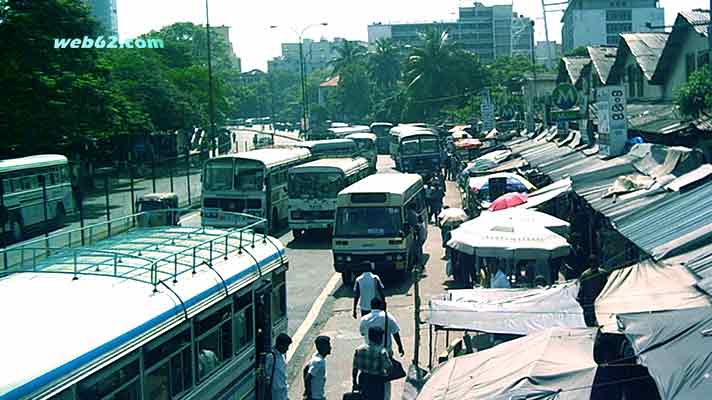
(460, 135)
(452, 214)
(523, 216)
(499, 238)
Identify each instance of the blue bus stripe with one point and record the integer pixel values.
(47, 378)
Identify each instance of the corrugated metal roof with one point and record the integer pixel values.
(574, 66)
(645, 47)
(697, 261)
(672, 217)
(686, 23)
(602, 59)
(697, 19)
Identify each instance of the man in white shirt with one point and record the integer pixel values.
(377, 318)
(367, 287)
(276, 368)
(315, 370)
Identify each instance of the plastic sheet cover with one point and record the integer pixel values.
(676, 347)
(509, 311)
(647, 286)
(553, 364)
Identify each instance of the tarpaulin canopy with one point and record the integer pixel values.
(553, 364)
(646, 287)
(509, 311)
(504, 239)
(522, 216)
(549, 192)
(676, 347)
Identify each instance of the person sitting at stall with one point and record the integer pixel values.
(499, 278)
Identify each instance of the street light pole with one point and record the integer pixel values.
(302, 72)
(211, 106)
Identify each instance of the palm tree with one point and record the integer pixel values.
(384, 63)
(349, 53)
(427, 69)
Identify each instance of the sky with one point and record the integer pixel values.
(255, 42)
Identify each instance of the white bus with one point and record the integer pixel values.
(253, 182)
(371, 225)
(23, 204)
(154, 313)
(313, 188)
(366, 143)
(329, 148)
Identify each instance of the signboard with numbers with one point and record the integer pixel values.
(612, 127)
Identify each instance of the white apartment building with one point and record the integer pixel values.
(598, 22)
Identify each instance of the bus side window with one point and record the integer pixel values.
(244, 325)
(213, 336)
(168, 365)
(119, 380)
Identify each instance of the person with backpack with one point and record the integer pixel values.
(276, 368)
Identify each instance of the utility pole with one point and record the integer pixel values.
(417, 274)
(303, 78)
(211, 106)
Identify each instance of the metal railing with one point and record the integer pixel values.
(139, 247)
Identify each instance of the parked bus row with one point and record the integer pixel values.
(257, 182)
(415, 148)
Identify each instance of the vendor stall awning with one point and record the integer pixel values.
(556, 364)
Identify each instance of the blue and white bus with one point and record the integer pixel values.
(152, 313)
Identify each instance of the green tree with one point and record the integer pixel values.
(695, 96)
(580, 51)
(354, 92)
(385, 64)
(348, 53)
(53, 96)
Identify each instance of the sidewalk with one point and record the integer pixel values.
(344, 330)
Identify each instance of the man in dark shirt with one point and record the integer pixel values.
(591, 283)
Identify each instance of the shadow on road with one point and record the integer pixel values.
(314, 240)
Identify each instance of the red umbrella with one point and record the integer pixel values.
(508, 200)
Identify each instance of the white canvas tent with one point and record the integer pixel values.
(509, 311)
(507, 240)
(647, 287)
(547, 366)
(518, 216)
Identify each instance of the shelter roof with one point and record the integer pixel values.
(645, 47)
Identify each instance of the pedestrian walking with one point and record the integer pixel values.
(591, 283)
(276, 368)
(379, 318)
(436, 202)
(367, 287)
(371, 364)
(418, 229)
(429, 198)
(314, 372)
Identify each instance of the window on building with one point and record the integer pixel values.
(689, 64)
(619, 15)
(703, 59)
(612, 39)
(618, 28)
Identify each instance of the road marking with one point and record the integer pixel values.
(189, 217)
(311, 316)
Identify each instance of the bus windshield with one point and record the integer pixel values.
(324, 185)
(249, 178)
(218, 175)
(368, 222)
(409, 146)
(428, 145)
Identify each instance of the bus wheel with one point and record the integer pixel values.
(347, 278)
(16, 229)
(59, 216)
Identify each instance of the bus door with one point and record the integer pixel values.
(263, 318)
(263, 336)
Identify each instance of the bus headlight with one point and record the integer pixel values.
(399, 257)
(389, 257)
(339, 258)
(348, 258)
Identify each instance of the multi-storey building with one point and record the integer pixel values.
(597, 22)
(547, 53)
(224, 32)
(317, 55)
(105, 12)
(488, 31)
